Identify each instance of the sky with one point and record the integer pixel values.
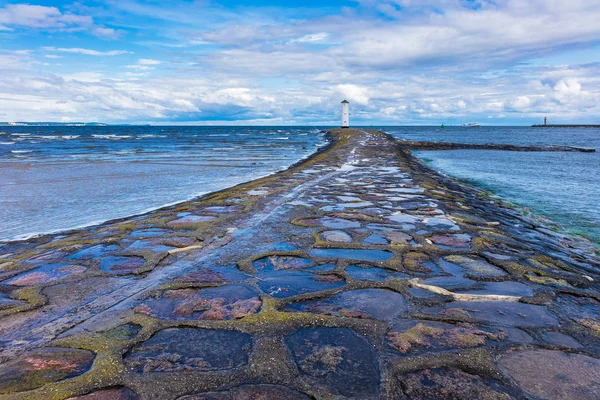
(399, 62)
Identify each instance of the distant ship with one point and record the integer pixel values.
(471, 125)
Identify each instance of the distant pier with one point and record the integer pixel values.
(564, 126)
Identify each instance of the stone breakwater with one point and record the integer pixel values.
(357, 274)
(491, 146)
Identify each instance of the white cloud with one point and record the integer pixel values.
(42, 17)
(311, 38)
(354, 93)
(148, 61)
(88, 52)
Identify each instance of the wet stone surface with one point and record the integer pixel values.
(43, 366)
(184, 349)
(364, 303)
(553, 374)
(351, 254)
(444, 383)
(357, 274)
(337, 359)
(121, 265)
(281, 284)
(109, 394)
(251, 392)
(46, 274)
(504, 313)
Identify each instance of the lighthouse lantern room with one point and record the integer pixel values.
(345, 114)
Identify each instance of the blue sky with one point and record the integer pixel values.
(399, 62)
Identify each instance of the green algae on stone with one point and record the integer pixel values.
(554, 375)
(428, 335)
(43, 366)
(220, 303)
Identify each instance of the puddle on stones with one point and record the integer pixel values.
(502, 288)
(334, 223)
(373, 273)
(281, 284)
(375, 239)
(452, 283)
(322, 268)
(222, 209)
(277, 263)
(42, 366)
(337, 360)
(148, 233)
(504, 313)
(121, 265)
(188, 349)
(363, 303)
(352, 254)
(45, 274)
(251, 392)
(93, 252)
(221, 303)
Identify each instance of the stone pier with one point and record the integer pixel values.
(357, 274)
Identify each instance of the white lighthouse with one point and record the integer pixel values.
(345, 114)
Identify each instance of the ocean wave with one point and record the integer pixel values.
(281, 138)
(149, 135)
(21, 134)
(111, 137)
(7, 143)
(21, 151)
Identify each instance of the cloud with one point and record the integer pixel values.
(311, 38)
(397, 61)
(43, 17)
(148, 61)
(88, 52)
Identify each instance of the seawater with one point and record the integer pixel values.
(59, 178)
(564, 187)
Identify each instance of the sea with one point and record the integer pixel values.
(563, 187)
(58, 178)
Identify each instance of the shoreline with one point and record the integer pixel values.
(312, 283)
(100, 223)
(528, 211)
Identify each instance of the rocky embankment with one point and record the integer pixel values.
(357, 274)
(492, 146)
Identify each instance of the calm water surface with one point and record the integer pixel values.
(562, 186)
(57, 178)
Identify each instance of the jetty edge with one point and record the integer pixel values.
(359, 273)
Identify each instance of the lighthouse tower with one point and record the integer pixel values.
(345, 114)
